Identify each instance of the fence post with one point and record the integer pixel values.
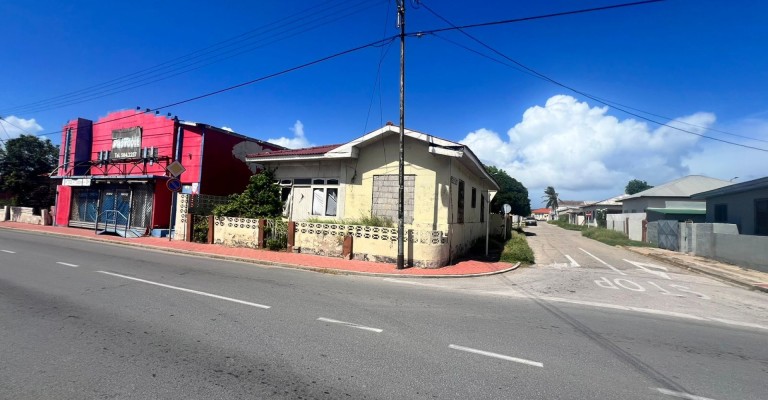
(210, 229)
(346, 248)
(291, 235)
(189, 228)
(260, 238)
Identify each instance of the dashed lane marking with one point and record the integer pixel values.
(67, 264)
(215, 296)
(603, 262)
(573, 262)
(496, 355)
(351, 325)
(8, 251)
(681, 395)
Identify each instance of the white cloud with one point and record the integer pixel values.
(226, 128)
(585, 153)
(12, 127)
(297, 141)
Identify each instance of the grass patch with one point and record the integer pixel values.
(517, 250)
(613, 238)
(363, 220)
(566, 225)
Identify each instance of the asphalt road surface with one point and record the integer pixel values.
(88, 320)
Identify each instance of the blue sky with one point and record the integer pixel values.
(702, 63)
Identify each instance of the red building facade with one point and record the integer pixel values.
(114, 172)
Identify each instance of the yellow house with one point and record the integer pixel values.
(447, 192)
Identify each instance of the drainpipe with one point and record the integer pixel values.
(176, 157)
(200, 175)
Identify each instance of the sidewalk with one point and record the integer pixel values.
(749, 278)
(469, 268)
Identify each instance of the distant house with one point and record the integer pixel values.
(673, 200)
(744, 204)
(571, 209)
(447, 189)
(542, 214)
(608, 206)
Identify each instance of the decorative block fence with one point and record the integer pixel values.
(198, 204)
(424, 249)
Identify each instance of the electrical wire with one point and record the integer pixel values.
(551, 80)
(376, 43)
(288, 27)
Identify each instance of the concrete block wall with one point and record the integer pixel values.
(25, 215)
(631, 224)
(723, 243)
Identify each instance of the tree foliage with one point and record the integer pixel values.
(551, 197)
(26, 163)
(261, 199)
(636, 186)
(511, 192)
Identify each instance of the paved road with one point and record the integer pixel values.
(87, 320)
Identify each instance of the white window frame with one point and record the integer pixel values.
(323, 185)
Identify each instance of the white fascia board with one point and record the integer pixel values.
(446, 152)
(343, 152)
(283, 159)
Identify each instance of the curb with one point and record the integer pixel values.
(331, 271)
(689, 267)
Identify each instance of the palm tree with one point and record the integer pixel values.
(551, 197)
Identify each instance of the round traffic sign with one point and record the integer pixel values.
(173, 184)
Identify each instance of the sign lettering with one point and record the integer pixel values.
(126, 143)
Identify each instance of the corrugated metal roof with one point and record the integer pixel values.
(307, 151)
(684, 187)
(686, 211)
(755, 184)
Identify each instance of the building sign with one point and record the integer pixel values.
(126, 143)
(76, 182)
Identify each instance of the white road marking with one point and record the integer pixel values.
(351, 325)
(496, 355)
(603, 262)
(67, 264)
(645, 267)
(518, 295)
(681, 395)
(8, 251)
(215, 296)
(665, 291)
(573, 262)
(395, 280)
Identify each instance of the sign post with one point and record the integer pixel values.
(507, 208)
(174, 169)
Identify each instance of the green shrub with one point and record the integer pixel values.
(277, 243)
(200, 230)
(517, 250)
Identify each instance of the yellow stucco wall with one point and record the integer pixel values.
(436, 179)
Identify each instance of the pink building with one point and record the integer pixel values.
(116, 170)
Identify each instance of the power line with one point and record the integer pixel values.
(551, 80)
(288, 27)
(377, 43)
(531, 18)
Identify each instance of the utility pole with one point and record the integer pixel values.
(401, 169)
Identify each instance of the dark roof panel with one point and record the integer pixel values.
(307, 151)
